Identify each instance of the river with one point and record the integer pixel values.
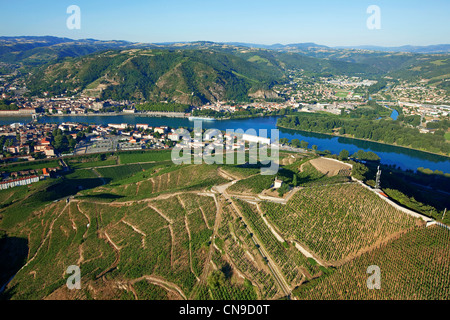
(402, 157)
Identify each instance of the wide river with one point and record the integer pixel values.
(402, 157)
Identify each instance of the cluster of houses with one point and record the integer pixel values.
(25, 177)
(142, 134)
(25, 140)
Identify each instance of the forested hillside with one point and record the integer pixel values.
(188, 77)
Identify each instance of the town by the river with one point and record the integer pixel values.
(404, 158)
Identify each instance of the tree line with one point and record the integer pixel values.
(386, 131)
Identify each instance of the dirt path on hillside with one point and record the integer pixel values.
(172, 244)
(169, 286)
(190, 248)
(206, 269)
(297, 245)
(378, 244)
(80, 253)
(136, 229)
(226, 175)
(270, 262)
(117, 252)
(271, 228)
(87, 217)
(170, 221)
(204, 218)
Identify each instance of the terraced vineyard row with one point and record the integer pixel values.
(234, 241)
(167, 179)
(288, 258)
(69, 236)
(114, 240)
(206, 205)
(415, 266)
(232, 287)
(337, 221)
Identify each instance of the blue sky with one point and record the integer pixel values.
(328, 22)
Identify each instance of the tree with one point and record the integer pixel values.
(216, 279)
(295, 143)
(57, 132)
(314, 147)
(344, 154)
(304, 144)
(294, 180)
(63, 142)
(359, 170)
(80, 136)
(369, 155)
(283, 189)
(72, 142)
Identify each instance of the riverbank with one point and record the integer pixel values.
(139, 114)
(407, 159)
(16, 113)
(367, 140)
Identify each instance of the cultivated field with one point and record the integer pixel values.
(337, 222)
(154, 230)
(413, 266)
(330, 167)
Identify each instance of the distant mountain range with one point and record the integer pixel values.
(438, 48)
(204, 71)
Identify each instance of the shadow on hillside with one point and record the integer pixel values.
(69, 187)
(105, 196)
(13, 255)
(227, 270)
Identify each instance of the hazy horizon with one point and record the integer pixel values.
(326, 22)
(230, 42)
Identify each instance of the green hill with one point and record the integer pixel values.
(183, 76)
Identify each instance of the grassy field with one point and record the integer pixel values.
(81, 163)
(145, 156)
(255, 184)
(33, 165)
(307, 176)
(447, 136)
(140, 181)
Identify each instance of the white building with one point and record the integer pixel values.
(18, 182)
(173, 136)
(118, 126)
(277, 183)
(252, 138)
